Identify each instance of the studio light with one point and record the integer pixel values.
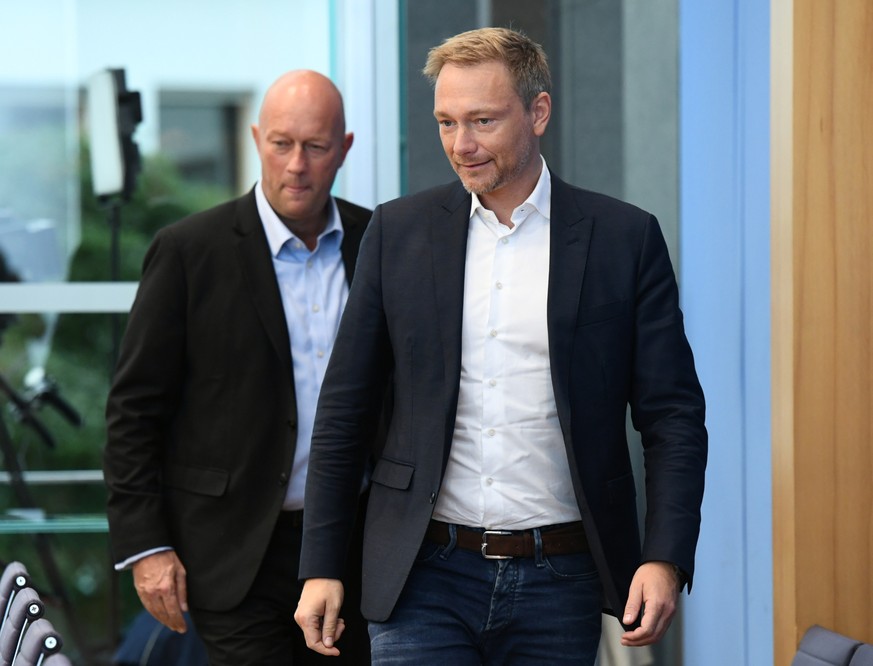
(113, 112)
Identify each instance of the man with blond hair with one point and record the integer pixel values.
(517, 318)
(211, 409)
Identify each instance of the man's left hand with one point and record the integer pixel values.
(654, 592)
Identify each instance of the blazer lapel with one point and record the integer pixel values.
(260, 277)
(353, 231)
(448, 237)
(569, 242)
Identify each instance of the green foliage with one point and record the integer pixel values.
(161, 197)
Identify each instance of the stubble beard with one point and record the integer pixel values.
(500, 178)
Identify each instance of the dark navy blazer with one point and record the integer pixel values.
(616, 338)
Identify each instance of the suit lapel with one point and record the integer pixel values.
(569, 242)
(353, 230)
(448, 237)
(260, 277)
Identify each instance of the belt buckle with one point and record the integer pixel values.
(485, 544)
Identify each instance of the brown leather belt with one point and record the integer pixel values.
(563, 539)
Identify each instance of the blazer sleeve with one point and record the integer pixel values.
(667, 407)
(142, 401)
(349, 407)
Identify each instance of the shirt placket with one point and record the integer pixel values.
(494, 358)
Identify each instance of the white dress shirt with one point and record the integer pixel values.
(508, 465)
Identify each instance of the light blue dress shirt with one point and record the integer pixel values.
(314, 290)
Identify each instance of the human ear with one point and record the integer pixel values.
(541, 111)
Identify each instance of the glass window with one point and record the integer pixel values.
(199, 74)
(200, 134)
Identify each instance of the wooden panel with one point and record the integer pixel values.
(822, 318)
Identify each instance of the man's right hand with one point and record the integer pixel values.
(318, 614)
(160, 582)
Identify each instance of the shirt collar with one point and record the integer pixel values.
(540, 199)
(278, 234)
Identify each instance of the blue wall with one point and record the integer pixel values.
(725, 278)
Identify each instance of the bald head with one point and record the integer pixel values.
(302, 143)
(302, 87)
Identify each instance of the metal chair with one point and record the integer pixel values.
(823, 647)
(25, 609)
(863, 656)
(58, 659)
(40, 646)
(14, 578)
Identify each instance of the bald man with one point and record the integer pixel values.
(210, 412)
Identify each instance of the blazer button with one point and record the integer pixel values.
(283, 479)
(432, 498)
(292, 423)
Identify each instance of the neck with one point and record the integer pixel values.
(506, 199)
(308, 229)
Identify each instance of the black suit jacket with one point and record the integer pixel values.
(616, 337)
(201, 417)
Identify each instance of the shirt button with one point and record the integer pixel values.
(499, 285)
(316, 308)
(309, 263)
(492, 382)
(298, 244)
(491, 432)
(489, 481)
(504, 240)
(320, 354)
(493, 333)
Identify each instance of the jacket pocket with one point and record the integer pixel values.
(601, 313)
(621, 490)
(201, 480)
(393, 474)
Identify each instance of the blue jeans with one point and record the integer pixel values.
(459, 608)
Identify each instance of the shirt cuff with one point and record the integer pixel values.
(133, 559)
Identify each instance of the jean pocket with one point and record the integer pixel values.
(428, 551)
(578, 566)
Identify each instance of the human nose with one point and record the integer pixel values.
(297, 161)
(464, 142)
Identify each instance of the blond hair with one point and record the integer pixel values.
(524, 58)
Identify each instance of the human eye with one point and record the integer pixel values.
(446, 124)
(318, 148)
(484, 122)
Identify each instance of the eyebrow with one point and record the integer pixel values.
(277, 133)
(474, 113)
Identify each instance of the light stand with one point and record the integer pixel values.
(113, 114)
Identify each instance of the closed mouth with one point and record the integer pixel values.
(472, 166)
